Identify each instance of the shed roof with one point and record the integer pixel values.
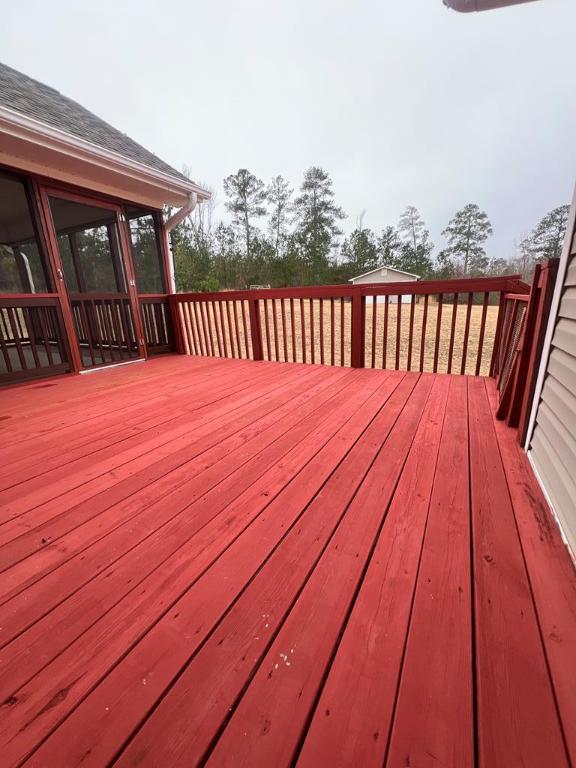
(29, 97)
(386, 267)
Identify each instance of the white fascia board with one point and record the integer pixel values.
(38, 133)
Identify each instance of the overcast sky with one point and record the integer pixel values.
(402, 101)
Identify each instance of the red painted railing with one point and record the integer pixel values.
(157, 323)
(32, 337)
(515, 365)
(448, 326)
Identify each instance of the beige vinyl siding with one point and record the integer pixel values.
(553, 443)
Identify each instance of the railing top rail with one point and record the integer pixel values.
(517, 296)
(27, 296)
(97, 295)
(505, 283)
(29, 300)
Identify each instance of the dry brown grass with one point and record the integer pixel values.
(273, 352)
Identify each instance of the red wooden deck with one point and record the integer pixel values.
(231, 563)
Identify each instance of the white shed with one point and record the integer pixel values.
(385, 275)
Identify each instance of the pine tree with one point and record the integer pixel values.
(279, 196)
(246, 195)
(360, 252)
(389, 245)
(411, 227)
(545, 240)
(316, 215)
(466, 234)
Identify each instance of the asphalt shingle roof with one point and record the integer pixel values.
(36, 100)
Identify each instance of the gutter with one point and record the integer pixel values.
(169, 225)
(467, 6)
(29, 129)
(181, 214)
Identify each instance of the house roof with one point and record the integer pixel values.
(386, 267)
(35, 100)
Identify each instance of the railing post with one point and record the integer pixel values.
(176, 325)
(494, 362)
(545, 287)
(255, 329)
(358, 333)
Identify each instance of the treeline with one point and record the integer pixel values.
(279, 238)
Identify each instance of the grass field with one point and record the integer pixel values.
(390, 352)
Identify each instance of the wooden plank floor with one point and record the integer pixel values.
(229, 563)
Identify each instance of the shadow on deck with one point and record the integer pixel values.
(237, 563)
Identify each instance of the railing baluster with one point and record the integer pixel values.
(373, 339)
(204, 311)
(331, 330)
(303, 331)
(218, 327)
(452, 332)
(321, 331)
(495, 359)
(194, 325)
(358, 331)
(438, 329)
(312, 343)
(466, 334)
(256, 329)
(193, 310)
(482, 330)
(190, 331)
(109, 329)
(342, 306)
(267, 327)
(4, 337)
(398, 330)
(236, 328)
(385, 333)
(43, 324)
(114, 308)
(293, 327)
(223, 329)
(284, 337)
(245, 327)
(16, 338)
(423, 336)
(411, 333)
(130, 341)
(30, 334)
(101, 328)
(275, 325)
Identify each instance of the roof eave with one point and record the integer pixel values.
(35, 132)
(384, 266)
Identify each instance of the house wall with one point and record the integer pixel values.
(552, 437)
(391, 277)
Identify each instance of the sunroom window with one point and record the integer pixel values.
(22, 268)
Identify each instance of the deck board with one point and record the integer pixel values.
(208, 561)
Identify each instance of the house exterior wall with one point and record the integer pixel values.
(390, 277)
(552, 441)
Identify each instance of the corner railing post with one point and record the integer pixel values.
(255, 329)
(358, 332)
